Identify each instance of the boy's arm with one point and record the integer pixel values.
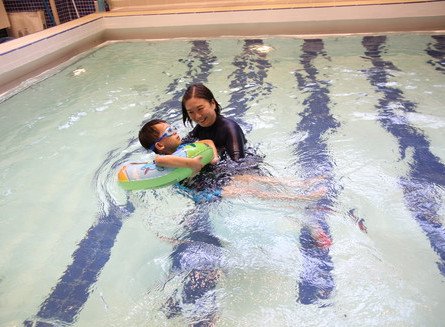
(172, 161)
(210, 143)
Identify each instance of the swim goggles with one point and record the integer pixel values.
(169, 131)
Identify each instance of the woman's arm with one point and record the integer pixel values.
(211, 144)
(226, 134)
(235, 141)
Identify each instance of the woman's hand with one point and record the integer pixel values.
(216, 157)
(195, 164)
(215, 160)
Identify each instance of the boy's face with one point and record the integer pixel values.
(168, 140)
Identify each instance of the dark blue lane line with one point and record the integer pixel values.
(252, 69)
(198, 254)
(200, 53)
(67, 298)
(248, 81)
(316, 280)
(426, 171)
(197, 257)
(436, 51)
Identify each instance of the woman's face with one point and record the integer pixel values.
(201, 111)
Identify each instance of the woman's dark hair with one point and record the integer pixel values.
(197, 91)
(148, 135)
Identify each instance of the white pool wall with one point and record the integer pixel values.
(30, 55)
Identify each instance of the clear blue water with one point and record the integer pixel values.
(364, 112)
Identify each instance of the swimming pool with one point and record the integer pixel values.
(364, 112)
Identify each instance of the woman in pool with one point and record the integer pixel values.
(200, 106)
(162, 138)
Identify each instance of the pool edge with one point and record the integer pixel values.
(33, 54)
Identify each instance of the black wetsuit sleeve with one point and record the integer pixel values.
(225, 133)
(235, 142)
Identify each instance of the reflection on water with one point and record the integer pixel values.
(357, 119)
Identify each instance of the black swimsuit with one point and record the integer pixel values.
(229, 139)
(226, 134)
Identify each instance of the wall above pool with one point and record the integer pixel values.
(31, 55)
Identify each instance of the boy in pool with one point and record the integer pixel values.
(162, 138)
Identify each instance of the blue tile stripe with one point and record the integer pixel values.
(198, 257)
(198, 254)
(426, 171)
(436, 50)
(199, 62)
(68, 297)
(316, 280)
(248, 81)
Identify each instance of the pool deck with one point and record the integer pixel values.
(33, 54)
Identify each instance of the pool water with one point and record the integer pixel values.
(365, 113)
